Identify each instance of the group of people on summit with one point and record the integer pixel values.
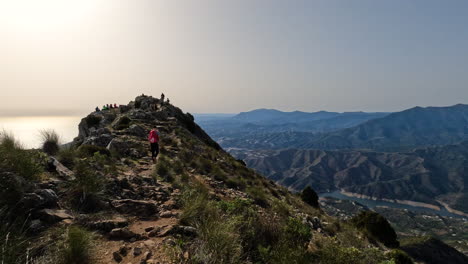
(107, 107)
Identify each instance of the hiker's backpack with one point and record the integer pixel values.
(154, 137)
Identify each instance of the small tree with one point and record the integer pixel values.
(309, 196)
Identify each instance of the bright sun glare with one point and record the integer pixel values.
(40, 15)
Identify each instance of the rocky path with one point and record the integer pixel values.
(144, 236)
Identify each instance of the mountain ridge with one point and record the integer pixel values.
(197, 203)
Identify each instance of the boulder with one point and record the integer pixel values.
(117, 257)
(136, 207)
(100, 140)
(146, 102)
(121, 122)
(91, 121)
(122, 234)
(100, 131)
(127, 147)
(178, 230)
(140, 115)
(52, 216)
(44, 198)
(124, 108)
(146, 257)
(109, 224)
(62, 171)
(136, 130)
(137, 251)
(124, 250)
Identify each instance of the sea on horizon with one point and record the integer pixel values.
(26, 129)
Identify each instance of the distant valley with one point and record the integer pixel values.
(417, 155)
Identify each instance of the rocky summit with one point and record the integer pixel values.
(101, 199)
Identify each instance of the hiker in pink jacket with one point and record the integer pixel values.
(153, 138)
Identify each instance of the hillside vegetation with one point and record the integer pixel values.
(102, 200)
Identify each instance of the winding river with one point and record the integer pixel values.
(374, 203)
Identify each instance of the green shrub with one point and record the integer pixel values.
(194, 202)
(399, 257)
(205, 165)
(309, 196)
(104, 163)
(218, 240)
(163, 169)
(376, 227)
(259, 196)
(236, 206)
(331, 252)
(177, 167)
(67, 157)
(50, 141)
(218, 173)
(86, 188)
(17, 160)
(236, 183)
(77, 246)
(293, 237)
(85, 151)
(87, 181)
(13, 242)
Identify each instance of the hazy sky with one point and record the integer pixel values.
(231, 56)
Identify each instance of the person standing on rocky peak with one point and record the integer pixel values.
(162, 98)
(153, 138)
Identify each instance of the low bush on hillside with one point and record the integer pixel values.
(13, 242)
(163, 169)
(104, 163)
(259, 196)
(86, 188)
(309, 196)
(85, 151)
(18, 168)
(50, 141)
(234, 232)
(331, 252)
(76, 248)
(376, 227)
(399, 256)
(67, 157)
(18, 160)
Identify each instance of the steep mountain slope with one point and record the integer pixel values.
(103, 201)
(403, 130)
(434, 175)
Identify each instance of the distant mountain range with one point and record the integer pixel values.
(425, 158)
(403, 130)
(272, 129)
(434, 175)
